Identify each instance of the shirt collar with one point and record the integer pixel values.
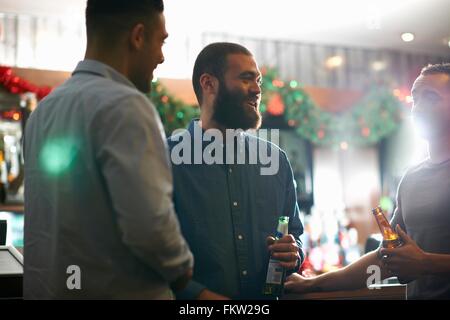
(194, 125)
(103, 70)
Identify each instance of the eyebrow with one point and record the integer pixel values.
(251, 73)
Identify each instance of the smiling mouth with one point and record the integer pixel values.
(252, 104)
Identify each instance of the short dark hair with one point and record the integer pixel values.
(436, 68)
(213, 60)
(107, 18)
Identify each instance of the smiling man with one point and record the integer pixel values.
(229, 209)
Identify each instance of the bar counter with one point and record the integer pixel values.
(376, 292)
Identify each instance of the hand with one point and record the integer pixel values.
(210, 295)
(407, 261)
(285, 250)
(181, 282)
(297, 283)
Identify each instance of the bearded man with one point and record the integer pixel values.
(229, 208)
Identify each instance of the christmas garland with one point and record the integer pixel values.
(174, 113)
(17, 85)
(373, 118)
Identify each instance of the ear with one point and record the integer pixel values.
(209, 83)
(137, 36)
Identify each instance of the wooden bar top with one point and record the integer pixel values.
(376, 292)
(12, 208)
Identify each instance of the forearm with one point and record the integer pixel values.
(437, 264)
(351, 277)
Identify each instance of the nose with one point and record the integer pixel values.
(255, 88)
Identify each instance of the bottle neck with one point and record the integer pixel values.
(386, 230)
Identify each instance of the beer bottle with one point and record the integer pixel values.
(276, 274)
(390, 238)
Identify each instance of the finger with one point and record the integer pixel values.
(394, 261)
(270, 240)
(289, 265)
(284, 247)
(388, 252)
(293, 281)
(403, 234)
(293, 277)
(385, 262)
(286, 256)
(288, 238)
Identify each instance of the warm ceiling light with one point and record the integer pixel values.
(378, 65)
(334, 62)
(407, 36)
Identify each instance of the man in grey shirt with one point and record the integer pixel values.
(423, 208)
(99, 217)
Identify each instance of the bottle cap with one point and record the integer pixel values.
(377, 210)
(283, 226)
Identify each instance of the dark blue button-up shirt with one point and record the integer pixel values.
(226, 212)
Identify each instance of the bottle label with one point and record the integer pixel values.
(274, 272)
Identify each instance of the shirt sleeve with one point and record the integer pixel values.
(191, 292)
(291, 208)
(133, 159)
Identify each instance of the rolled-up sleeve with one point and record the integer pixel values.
(132, 155)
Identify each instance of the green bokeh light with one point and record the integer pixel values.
(386, 204)
(180, 115)
(293, 84)
(57, 155)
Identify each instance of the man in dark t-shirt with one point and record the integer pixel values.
(422, 216)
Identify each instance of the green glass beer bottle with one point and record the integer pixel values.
(276, 274)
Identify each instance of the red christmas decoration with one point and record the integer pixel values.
(365, 132)
(17, 85)
(321, 134)
(275, 105)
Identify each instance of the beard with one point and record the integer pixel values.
(143, 83)
(232, 112)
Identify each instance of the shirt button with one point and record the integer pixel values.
(235, 204)
(244, 273)
(240, 237)
(230, 170)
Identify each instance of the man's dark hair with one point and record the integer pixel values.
(213, 60)
(436, 68)
(105, 19)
